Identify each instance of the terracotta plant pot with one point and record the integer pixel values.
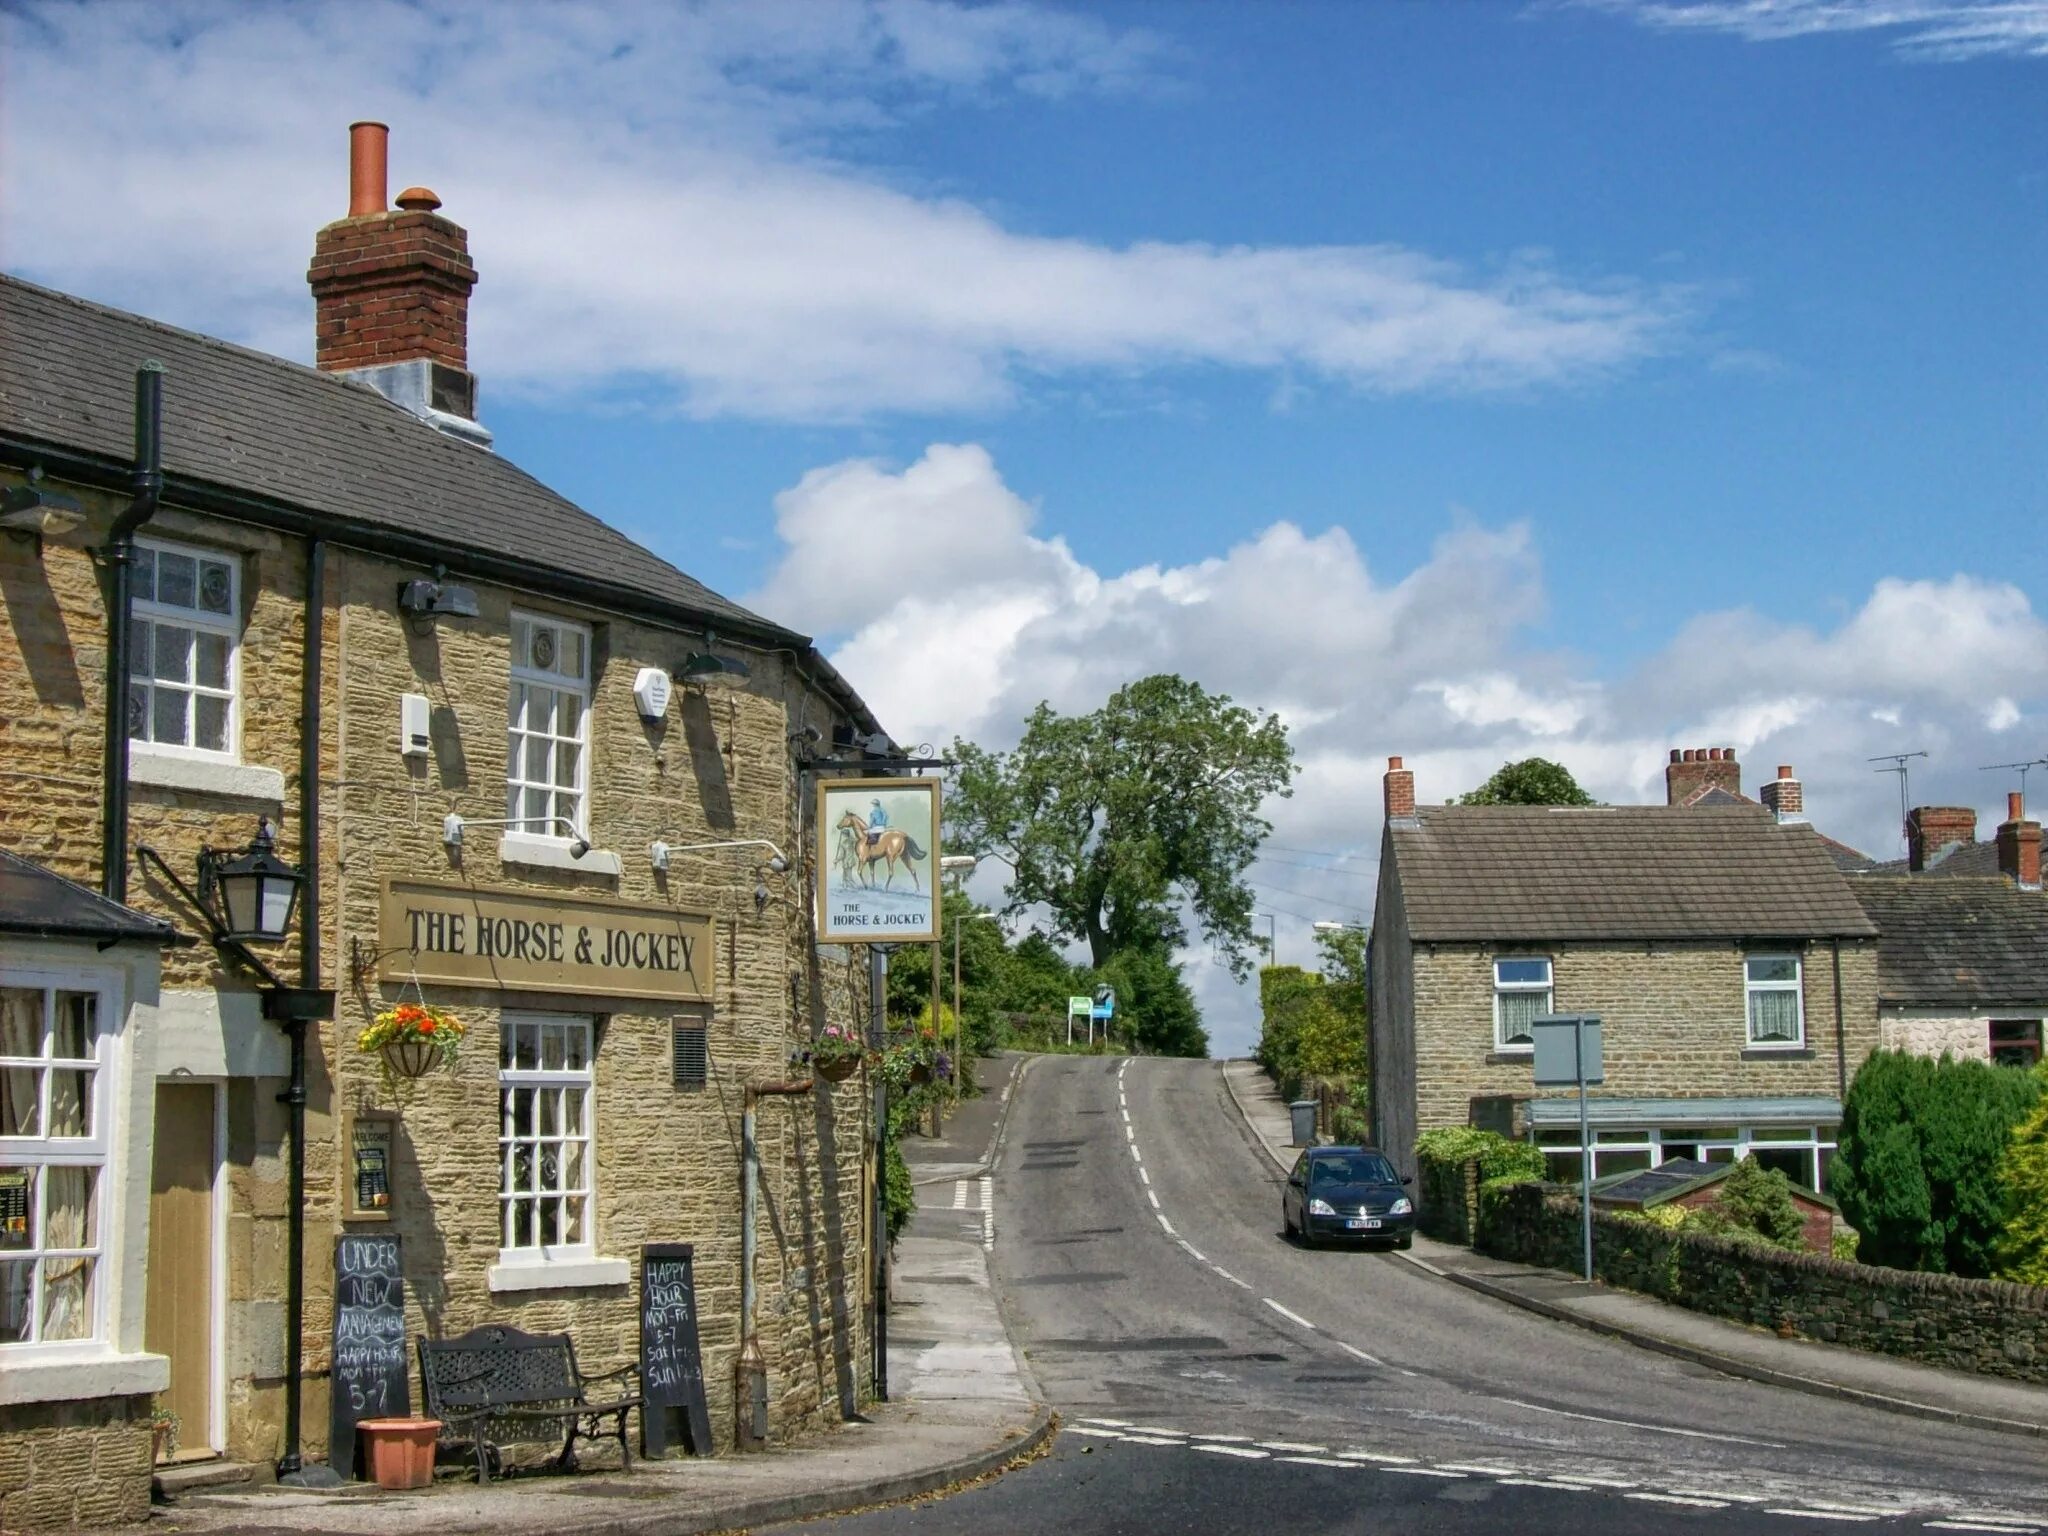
(411, 1058)
(838, 1069)
(399, 1453)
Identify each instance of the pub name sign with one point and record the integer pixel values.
(528, 943)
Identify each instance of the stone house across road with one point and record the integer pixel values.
(469, 709)
(1734, 971)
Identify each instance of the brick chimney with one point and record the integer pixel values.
(1695, 770)
(1931, 830)
(1783, 797)
(1400, 792)
(2019, 846)
(391, 295)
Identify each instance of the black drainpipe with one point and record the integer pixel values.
(147, 484)
(1841, 1049)
(294, 1096)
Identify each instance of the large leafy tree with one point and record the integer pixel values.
(1115, 822)
(2023, 1245)
(1155, 1010)
(1531, 781)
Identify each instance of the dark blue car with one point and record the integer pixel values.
(1347, 1192)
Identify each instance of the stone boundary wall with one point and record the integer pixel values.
(75, 1464)
(1991, 1327)
(1447, 1199)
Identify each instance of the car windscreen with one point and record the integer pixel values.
(1358, 1168)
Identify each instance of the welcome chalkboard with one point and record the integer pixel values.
(671, 1369)
(369, 1380)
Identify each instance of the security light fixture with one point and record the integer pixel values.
(423, 599)
(700, 665)
(35, 511)
(659, 853)
(250, 896)
(453, 823)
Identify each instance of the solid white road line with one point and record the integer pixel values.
(1592, 1482)
(1295, 1446)
(1678, 1498)
(1481, 1468)
(1661, 1429)
(1537, 1482)
(1380, 1456)
(1230, 1450)
(1152, 1440)
(1224, 1439)
(1112, 1423)
(1292, 1317)
(1982, 1525)
(1360, 1354)
(1425, 1472)
(1094, 1434)
(1323, 1461)
(1153, 1429)
(1716, 1493)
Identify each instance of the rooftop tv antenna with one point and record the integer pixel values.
(1896, 763)
(2032, 762)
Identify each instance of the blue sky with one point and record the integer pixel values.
(1460, 380)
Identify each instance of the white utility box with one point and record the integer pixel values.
(414, 739)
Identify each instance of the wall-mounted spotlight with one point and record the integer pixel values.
(424, 599)
(659, 853)
(452, 826)
(707, 663)
(35, 511)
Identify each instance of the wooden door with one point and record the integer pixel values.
(179, 1323)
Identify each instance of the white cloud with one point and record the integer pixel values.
(692, 206)
(2003, 715)
(1934, 30)
(989, 617)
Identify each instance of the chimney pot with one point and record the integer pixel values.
(2019, 846)
(418, 200)
(1784, 797)
(368, 147)
(1695, 770)
(1674, 754)
(2015, 806)
(1784, 770)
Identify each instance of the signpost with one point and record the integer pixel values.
(1080, 1008)
(1568, 1053)
(878, 861)
(1104, 1008)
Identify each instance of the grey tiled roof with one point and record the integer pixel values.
(39, 903)
(1618, 872)
(1981, 942)
(256, 424)
(1964, 861)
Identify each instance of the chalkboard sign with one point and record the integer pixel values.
(369, 1380)
(671, 1369)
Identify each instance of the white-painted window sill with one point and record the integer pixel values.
(26, 1379)
(206, 776)
(553, 853)
(558, 1274)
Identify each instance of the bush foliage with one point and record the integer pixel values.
(1753, 1202)
(1917, 1170)
(1498, 1156)
(2022, 1248)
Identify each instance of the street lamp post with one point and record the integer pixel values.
(1272, 939)
(959, 864)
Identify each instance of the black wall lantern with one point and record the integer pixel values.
(252, 896)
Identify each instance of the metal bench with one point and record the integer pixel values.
(497, 1384)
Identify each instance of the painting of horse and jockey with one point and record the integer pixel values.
(878, 853)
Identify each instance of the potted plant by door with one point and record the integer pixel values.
(163, 1432)
(836, 1053)
(413, 1039)
(399, 1453)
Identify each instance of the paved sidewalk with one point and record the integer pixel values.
(1878, 1381)
(966, 1146)
(962, 1404)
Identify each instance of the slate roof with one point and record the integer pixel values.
(1485, 872)
(249, 422)
(38, 903)
(1981, 942)
(1671, 1178)
(1964, 861)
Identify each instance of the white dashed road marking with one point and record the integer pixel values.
(1295, 1446)
(1292, 1317)
(1982, 1525)
(1679, 1498)
(1095, 1434)
(1218, 1449)
(1163, 1222)
(1820, 1514)
(1426, 1472)
(1482, 1468)
(1537, 1482)
(1323, 1461)
(1225, 1439)
(1360, 1354)
(1380, 1456)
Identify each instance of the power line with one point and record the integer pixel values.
(1349, 906)
(1320, 869)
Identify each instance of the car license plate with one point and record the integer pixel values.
(1363, 1223)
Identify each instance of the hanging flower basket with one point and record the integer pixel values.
(413, 1039)
(837, 1052)
(920, 1072)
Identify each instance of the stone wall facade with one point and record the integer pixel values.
(1989, 1326)
(718, 768)
(1673, 1022)
(1938, 1032)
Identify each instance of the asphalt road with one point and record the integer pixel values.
(1214, 1377)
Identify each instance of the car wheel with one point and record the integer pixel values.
(1405, 1241)
(1286, 1221)
(1308, 1238)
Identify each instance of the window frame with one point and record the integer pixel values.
(1993, 1044)
(536, 1254)
(44, 1151)
(517, 785)
(1817, 1141)
(1548, 987)
(1752, 988)
(153, 611)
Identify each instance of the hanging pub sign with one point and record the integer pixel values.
(542, 943)
(878, 859)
